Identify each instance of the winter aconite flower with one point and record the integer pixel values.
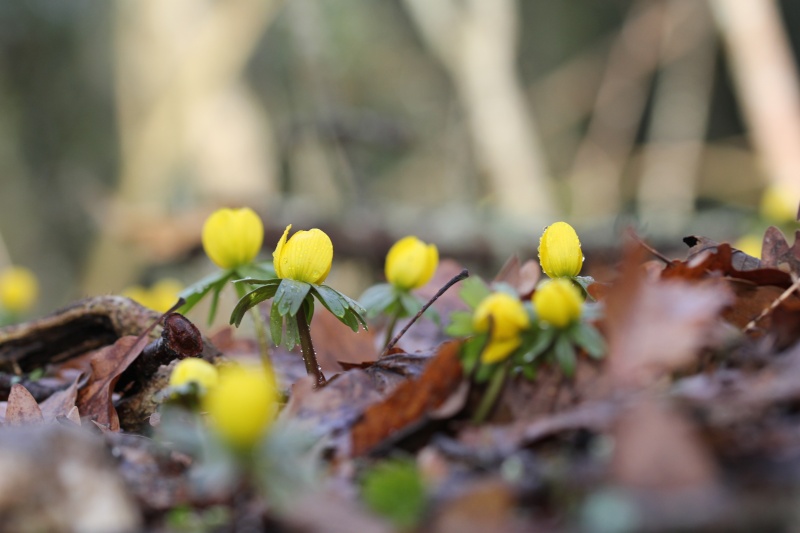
(306, 256)
(558, 302)
(560, 251)
(194, 370)
(242, 405)
(160, 297)
(19, 290)
(508, 319)
(232, 237)
(411, 263)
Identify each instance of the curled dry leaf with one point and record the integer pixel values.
(776, 252)
(411, 402)
(522, 276)
(656, 326)
(108, 364)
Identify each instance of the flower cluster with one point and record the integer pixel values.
(508, 334)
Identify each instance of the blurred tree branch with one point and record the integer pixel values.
(476, 40)
(766, 80)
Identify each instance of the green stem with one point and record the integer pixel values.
(261, 330)
(490, 394)
(309, 356)
(390, 328)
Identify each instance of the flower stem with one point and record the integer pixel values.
(490, 394)
(309, 356)
(390, 328)
(261, 330)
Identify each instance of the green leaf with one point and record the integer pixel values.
(291, 337)
(289, 296)
(564, 352)
(253, 298)
(536, 344)
(587, 337)
(195, 292)
(529, 372)
(485, 372)
(257, 271)
(395, 490)
(275, 325)
(409, 303)
(460, 324)
(355, 306)
(331, 299)
(473, 291)
(378, 298)
(308, 306)
(471, 352)
(350, 319)
(584, 282)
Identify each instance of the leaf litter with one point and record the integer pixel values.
(688, 424)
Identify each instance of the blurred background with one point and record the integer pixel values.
(469, 123)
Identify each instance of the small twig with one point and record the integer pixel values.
(464, 274)
(309, 356)
(793, 287)
(650, 249)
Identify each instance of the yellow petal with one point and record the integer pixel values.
(560, 251)
(19, 289)
(232, 237)
(276, 255)
(558, 302)
(242, 404)
(193, 369)
(499, 349)
(508, 316)
(779, 205)
(411, 263)
(306, 256)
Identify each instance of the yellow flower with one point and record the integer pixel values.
(508, 319)
(193, 369)
(560, 251)
(558, 302)
(242, 405)
(232, 237)
(306, 256)
(779, 205)
(160, 297)
(411, 263)
(19, 289)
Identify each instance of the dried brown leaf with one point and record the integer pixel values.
(776, 252)
(22, 407)
(522, 276)
(656, 447)
(108, 364)
(411, 402)
(656, 326)
(60, 403)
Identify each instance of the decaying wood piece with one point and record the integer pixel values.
(91, 324)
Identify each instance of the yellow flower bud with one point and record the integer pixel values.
(19, 289)
(160, 297)
(558, 302)
(779, 205)
(307, 256)
(508, 319)
(193, 369)
(411, 263)
(560, 251)
(242, 405)
(232, 237)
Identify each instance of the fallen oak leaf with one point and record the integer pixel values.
(61, 403)
(720, 260)
(739, 260)
(22, 408)
(108, 364)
